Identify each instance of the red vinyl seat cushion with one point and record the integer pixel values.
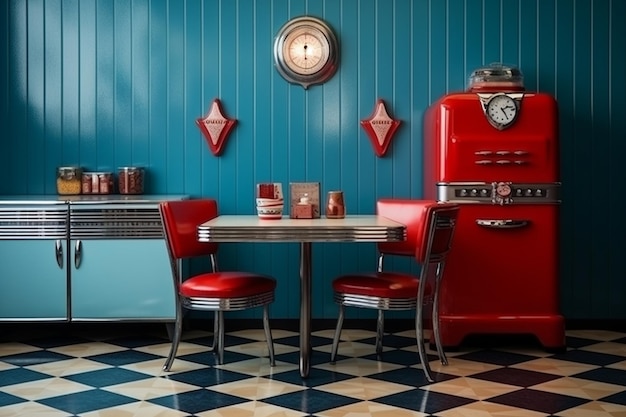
(379, 284)
(226, 285)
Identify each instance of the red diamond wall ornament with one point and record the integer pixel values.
(380, 128)
(215, 127)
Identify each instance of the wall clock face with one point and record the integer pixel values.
(306, 51)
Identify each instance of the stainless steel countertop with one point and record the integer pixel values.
(89, 199)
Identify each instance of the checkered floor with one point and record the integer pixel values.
(116, 371)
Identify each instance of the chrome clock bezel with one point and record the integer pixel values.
(290, 51)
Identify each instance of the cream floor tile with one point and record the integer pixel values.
(196, 333)
(605, 335)
(487, 409)
(68, 367)
(367, 409)
(353, 334)
(254, 348)
(161, 349)
(155, 367)
(258, 367)
(411, 333)
(14, 348)
(184, 348)
(44, 388)
(256, 388)
(578, 387)
(179, 366)
(364, 388)
(359, 366)
(81, 350)
(30, 409)
(472, 388)
(595, 409)
(554, 366)
(351, 349)
(461, 367)
(149, 388)
(136, 409)
(618, 365)
(252, 409)
(327, 333)
(610, 348)
(259, 334)
(5, 366)
(525, 350)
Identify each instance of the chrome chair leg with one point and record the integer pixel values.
(178, 329)
(435, 318)
(419, 332)
(268, 334)
(220, 337)
(333, 352)
(380, 329)
(216, 325)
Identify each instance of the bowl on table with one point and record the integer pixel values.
(270, 212)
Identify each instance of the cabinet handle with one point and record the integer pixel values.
(78, 253)
(58, 252)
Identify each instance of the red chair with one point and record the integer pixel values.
(430, 228)
(211, 291)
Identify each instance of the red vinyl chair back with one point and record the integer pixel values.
(416, 215)
(181, 221)
(214, 291)
(411, 214)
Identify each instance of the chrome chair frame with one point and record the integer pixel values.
(217, 305)
(436, 221)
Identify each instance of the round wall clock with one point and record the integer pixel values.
(306, 51)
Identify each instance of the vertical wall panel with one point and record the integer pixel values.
(53, 90)
(103, 83)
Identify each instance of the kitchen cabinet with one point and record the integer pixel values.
(33, 274)
(100, 258)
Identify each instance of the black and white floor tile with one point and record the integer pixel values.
(106, 371)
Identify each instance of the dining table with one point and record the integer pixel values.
(351, 228)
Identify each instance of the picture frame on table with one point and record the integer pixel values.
(310, 191)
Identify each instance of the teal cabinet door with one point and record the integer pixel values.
(33, 280)
(121, 279)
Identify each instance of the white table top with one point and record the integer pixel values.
(250, 228)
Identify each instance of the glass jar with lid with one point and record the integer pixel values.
(496, 77)
(130, 180)
(69, 180)
(97, 182)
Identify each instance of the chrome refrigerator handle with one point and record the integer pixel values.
(78, 253)
(502, 223)
(58, 253)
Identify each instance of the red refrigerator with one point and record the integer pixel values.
(494, 149)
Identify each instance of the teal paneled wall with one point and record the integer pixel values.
(110, 83)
